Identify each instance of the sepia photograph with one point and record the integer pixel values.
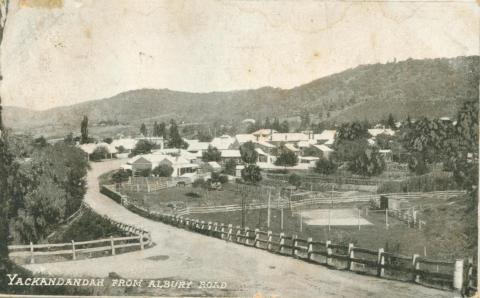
(239, 148)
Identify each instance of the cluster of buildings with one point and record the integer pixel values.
(308, 146)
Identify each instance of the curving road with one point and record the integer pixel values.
(186, 255)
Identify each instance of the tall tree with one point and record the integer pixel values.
(391, 122)
(212, 154)
(175, 140)
(84, 130)
(7, 171)
(143, 129)
(284, 127)
(248, 153)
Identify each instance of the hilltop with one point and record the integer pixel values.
(428, 87)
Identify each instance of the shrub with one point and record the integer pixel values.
(252, 174)
(99, 153)
(325, 166)
(295, 180)
(163, 170)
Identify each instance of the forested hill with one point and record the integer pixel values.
(429, 87)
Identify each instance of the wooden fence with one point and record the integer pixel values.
(455, 275)
(138, 239)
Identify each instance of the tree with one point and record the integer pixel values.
(295, 180)
(175, 140)
(40, 142)
(267, 123)
(385, 141)
(69, 140)
(284, 127)
(351, 131)
(163, 170)
(212, 154)
(287, 158)
(248, 153)
(99, 153)
(325, 166)
(142, 147)
(107, 140)
(84, 131)
(276, 124)
(368, 163)
(252, 174)
(143, 129)
(120, 176)
(230, 167)
(391, 122)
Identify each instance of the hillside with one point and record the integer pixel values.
(430, 87)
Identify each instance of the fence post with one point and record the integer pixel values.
(294, 245)
(380, 263)
(237, 238)
(209, 227)
(282, 241)
(416, 266)
(269, 243)
(141, 241)
(351, 255)
(257, 237)
(230, 231)
(73, 250)
(32, 260)
(247, 235)
(458, 275)
(468, 282)
(222, 229)
(329, 250)
(112, 245)
(310, 248)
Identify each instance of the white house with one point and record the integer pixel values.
(223, 142)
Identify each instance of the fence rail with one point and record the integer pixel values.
(140, 238)
(383, 264)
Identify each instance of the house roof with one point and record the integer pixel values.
(264, 132)
(323, 148)
(128, 144)
(230, 153)
(265, 144)
(214, 165)
(291, 147)
(260, 151)
(305, 144)
(289, 137)
(244, 138)
(223, 142)
(196, 145)
(327, 134)
(376, 131)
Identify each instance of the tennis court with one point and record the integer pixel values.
(338, 217)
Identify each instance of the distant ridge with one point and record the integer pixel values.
(428, 87)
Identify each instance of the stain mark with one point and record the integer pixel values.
(41, 3)
(158, 258)
(88, 33)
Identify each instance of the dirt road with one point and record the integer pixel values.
(186, 255)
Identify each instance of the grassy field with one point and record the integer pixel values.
(449, 232)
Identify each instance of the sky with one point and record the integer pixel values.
(62, 52)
